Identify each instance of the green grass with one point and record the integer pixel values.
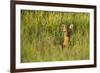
(41, 36)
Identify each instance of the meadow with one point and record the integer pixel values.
(41, 36)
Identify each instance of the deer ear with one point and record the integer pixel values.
(71, 26)
(62, 27)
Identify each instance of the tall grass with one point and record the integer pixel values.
(41, 36)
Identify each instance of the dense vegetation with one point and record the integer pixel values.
(41, 36)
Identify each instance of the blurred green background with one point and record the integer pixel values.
(41, 36)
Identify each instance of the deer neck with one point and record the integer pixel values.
(65, 33)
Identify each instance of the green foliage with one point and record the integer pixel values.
(41, 36)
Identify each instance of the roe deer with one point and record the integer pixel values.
(66, 35)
